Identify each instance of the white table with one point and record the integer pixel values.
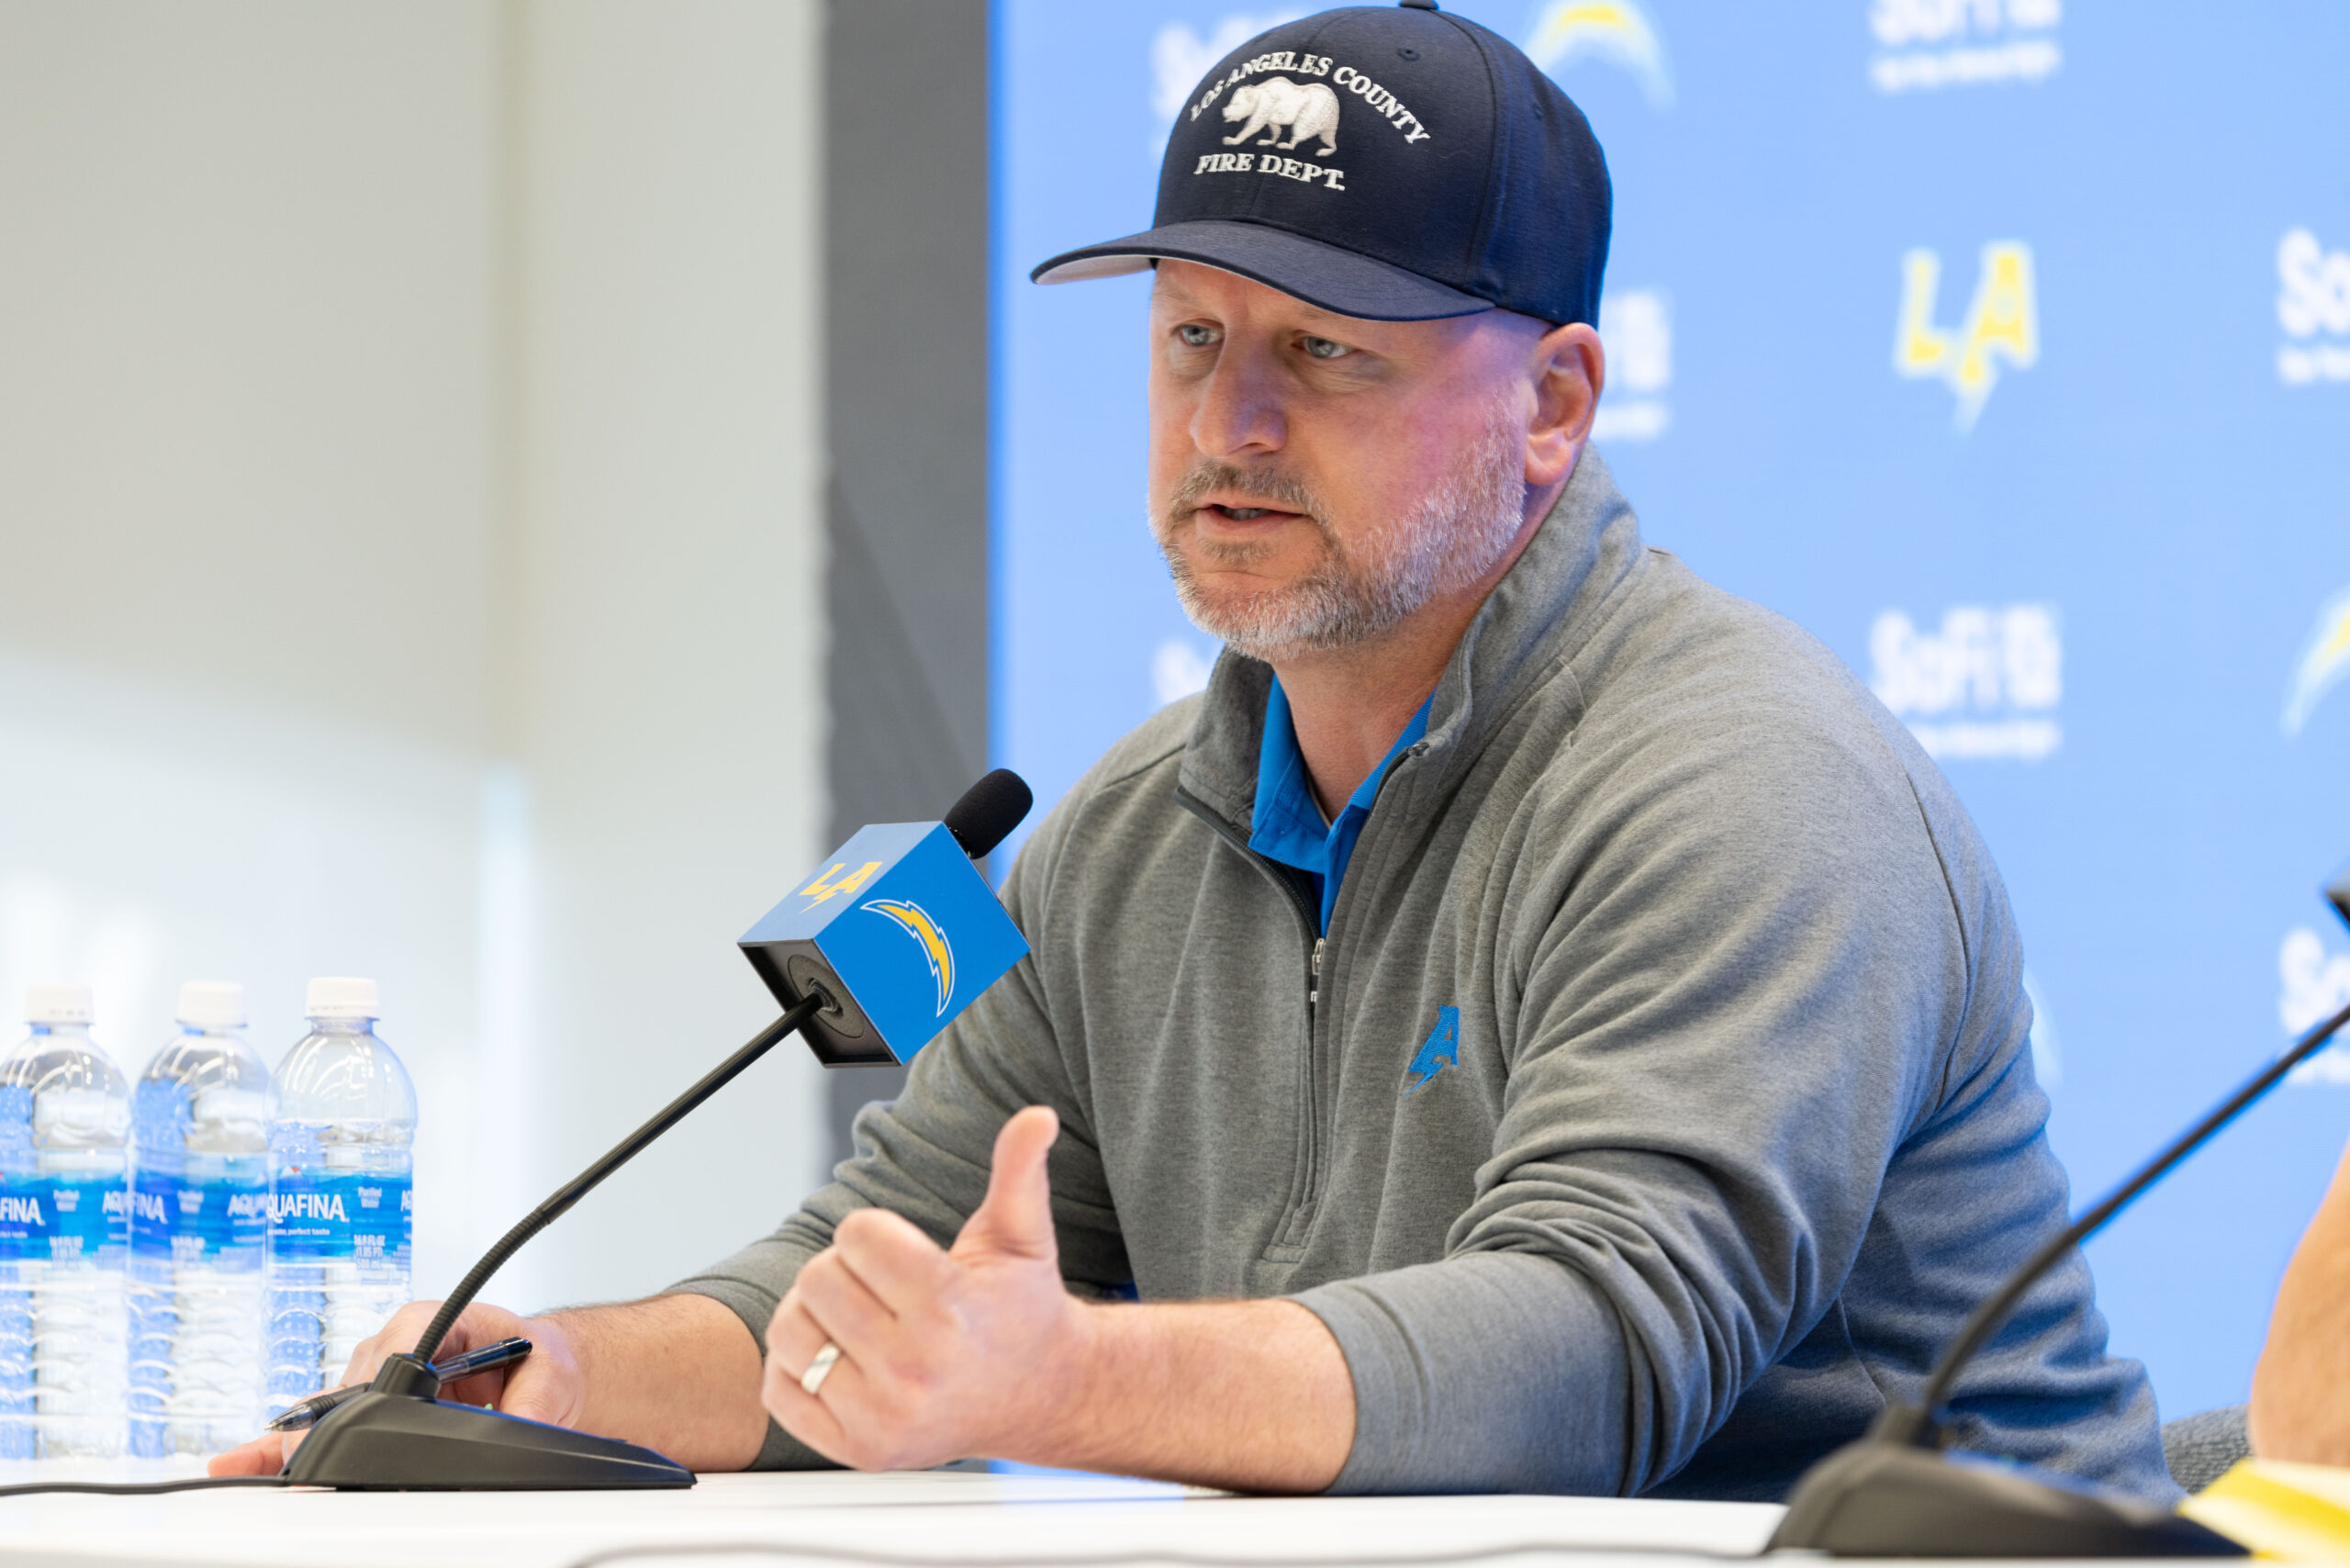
(830, 1517)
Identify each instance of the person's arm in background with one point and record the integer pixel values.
(2300, 1389)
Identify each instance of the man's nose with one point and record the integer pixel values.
(1239, 411)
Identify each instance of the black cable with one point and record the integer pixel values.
(1916, 1423)
(811, 1552)
(143, 1488)
(579, 1186)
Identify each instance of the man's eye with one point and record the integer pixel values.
(1195, 336)
(1323, 348)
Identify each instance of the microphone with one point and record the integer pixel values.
(398, 1436)
(1895, 1493)
(898, 932)
(988, 812)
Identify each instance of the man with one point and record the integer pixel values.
(1533, 1024)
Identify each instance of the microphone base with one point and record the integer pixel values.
(391, 1442)
(1885, 1499)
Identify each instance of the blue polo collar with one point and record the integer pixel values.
(1286, 823)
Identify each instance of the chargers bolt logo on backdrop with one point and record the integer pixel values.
(2322, 666)
(915, 922)
(2001, 324)
(1617, 31)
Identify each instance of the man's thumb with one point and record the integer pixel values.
(1017, 1216)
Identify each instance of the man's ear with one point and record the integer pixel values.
(1569, 369)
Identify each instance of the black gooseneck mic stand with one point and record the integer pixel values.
(1895, 1493)
(398, 1436)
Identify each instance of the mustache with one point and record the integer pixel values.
(1283, 489)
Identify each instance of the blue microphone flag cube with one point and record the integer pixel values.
(897, 932)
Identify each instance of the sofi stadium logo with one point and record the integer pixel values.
(1178, 666)
(1984, 685)
(1636, 328)
(1924, 45)
(2313, 307)
(2001, 327)
(2313, 985)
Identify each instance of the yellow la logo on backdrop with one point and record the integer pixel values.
(2002, 324)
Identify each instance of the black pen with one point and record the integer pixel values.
(489, 1357)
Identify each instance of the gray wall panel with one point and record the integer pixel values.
(906, 384)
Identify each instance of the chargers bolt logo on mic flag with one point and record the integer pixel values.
(924, 930)
(897, 932)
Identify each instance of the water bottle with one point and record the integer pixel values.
(340, 1198)
(200, 1226)
(64, 1217)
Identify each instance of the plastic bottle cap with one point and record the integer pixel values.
(57, 1003)
(212, 1005)
(341, 997)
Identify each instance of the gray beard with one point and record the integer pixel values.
(1450, 540)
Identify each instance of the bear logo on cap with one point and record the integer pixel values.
(1304, 111)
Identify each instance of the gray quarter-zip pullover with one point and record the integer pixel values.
(1661, 1102)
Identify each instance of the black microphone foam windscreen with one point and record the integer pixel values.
(987, 811)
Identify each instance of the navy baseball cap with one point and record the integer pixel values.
(1395, 163)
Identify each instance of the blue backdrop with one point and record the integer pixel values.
(2005, 345)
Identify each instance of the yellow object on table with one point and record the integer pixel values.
(2288, 1513)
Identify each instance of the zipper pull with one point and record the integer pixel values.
(1314, 990)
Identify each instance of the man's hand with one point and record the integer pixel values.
(678, 1373)
(546, 1386)
(981, 1351)
(943, 1354)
